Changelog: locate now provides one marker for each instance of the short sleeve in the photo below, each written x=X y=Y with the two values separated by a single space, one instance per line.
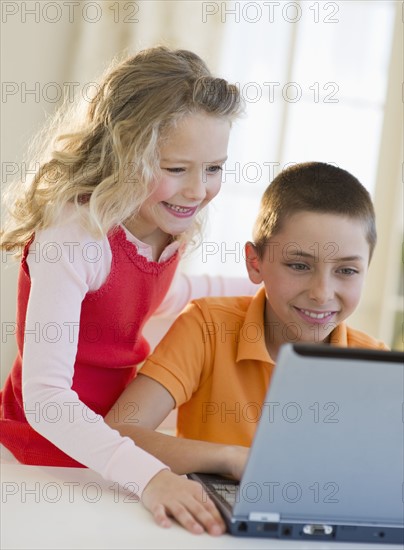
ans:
x=183 y=359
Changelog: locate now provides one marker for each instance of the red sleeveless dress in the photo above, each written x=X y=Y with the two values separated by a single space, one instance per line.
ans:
x=110 y=345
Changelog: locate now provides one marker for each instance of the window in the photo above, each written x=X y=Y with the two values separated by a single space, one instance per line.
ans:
x=314 y=78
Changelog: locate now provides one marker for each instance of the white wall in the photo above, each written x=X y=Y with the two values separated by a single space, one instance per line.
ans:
x=49 y=47
x=31 y=54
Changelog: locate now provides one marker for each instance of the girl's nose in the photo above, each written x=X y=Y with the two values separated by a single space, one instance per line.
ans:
x=195 y=187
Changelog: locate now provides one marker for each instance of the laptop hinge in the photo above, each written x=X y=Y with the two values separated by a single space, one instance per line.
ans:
x=264 y=516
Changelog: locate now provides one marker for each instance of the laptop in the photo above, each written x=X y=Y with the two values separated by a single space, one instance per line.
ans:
x=327 y=460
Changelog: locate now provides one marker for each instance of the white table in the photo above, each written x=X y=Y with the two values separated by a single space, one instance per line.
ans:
x=69 y=508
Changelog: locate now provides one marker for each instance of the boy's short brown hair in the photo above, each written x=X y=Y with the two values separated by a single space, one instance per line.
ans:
x=313 y=187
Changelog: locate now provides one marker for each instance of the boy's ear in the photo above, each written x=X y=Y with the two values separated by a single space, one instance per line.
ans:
x=253 y=263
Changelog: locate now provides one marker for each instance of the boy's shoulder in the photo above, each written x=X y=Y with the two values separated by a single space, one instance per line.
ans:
x=223 y=306
x=358 y=339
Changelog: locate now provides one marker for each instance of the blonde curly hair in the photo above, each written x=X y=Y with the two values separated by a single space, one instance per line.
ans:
x=104 y=155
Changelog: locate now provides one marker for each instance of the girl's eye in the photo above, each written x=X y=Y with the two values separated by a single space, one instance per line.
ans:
x=214 y=169
x=175 y=170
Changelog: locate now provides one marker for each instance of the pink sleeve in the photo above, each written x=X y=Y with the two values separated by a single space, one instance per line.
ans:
x=185 y=288
x=52 y=407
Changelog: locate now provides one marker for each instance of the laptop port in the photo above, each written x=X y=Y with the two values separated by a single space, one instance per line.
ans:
x=317 y=529
x=271 y=527
x=242 y=527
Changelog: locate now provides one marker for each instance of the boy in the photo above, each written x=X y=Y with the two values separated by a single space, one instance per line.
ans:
x=313 y=241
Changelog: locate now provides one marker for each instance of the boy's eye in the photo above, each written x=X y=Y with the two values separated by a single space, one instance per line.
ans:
x=298 y=267
x=348 y=271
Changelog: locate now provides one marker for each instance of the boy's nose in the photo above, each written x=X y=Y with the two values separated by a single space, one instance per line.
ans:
x=321 y=290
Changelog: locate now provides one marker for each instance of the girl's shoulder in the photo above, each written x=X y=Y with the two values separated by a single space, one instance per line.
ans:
x=69 y=227
x=68 y=249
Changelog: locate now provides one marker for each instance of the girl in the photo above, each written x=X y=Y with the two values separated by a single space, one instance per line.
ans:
x=102 y=226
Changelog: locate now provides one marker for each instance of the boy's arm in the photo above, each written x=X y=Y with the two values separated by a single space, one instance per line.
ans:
x=168 y=495
x=142 y=407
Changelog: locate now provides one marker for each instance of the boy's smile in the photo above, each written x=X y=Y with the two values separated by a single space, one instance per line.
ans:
x=313 y=271
x=315 y=316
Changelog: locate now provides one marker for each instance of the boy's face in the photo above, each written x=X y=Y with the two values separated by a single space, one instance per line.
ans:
x=313 y=271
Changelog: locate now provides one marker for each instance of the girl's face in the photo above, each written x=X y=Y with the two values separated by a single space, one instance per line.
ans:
x=191 y=160
x=313 y=271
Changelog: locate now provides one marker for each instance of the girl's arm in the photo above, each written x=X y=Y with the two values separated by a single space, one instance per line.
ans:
x=59 y=281
x=185 y=288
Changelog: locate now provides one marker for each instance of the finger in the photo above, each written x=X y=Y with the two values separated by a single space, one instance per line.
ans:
x=160 y=516
x=207 y=515
x=192 y=511
x=211 y=508
x=180 y=513
x=202 y=497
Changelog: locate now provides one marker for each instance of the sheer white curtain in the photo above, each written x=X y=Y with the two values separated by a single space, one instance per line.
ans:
x=314 y=77
x=321 y=82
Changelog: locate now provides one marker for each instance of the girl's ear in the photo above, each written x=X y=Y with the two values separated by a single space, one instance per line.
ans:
x=253 y=263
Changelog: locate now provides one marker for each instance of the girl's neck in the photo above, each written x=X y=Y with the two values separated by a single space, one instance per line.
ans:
x=157 y=240
x=157 y=249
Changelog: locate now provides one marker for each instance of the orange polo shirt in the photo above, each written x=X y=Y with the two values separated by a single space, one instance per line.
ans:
x=215 y=364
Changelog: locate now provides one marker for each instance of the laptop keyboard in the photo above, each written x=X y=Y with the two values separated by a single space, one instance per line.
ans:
x=228 y=491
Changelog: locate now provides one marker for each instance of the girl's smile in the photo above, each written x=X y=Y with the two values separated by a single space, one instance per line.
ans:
x=180 y=211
